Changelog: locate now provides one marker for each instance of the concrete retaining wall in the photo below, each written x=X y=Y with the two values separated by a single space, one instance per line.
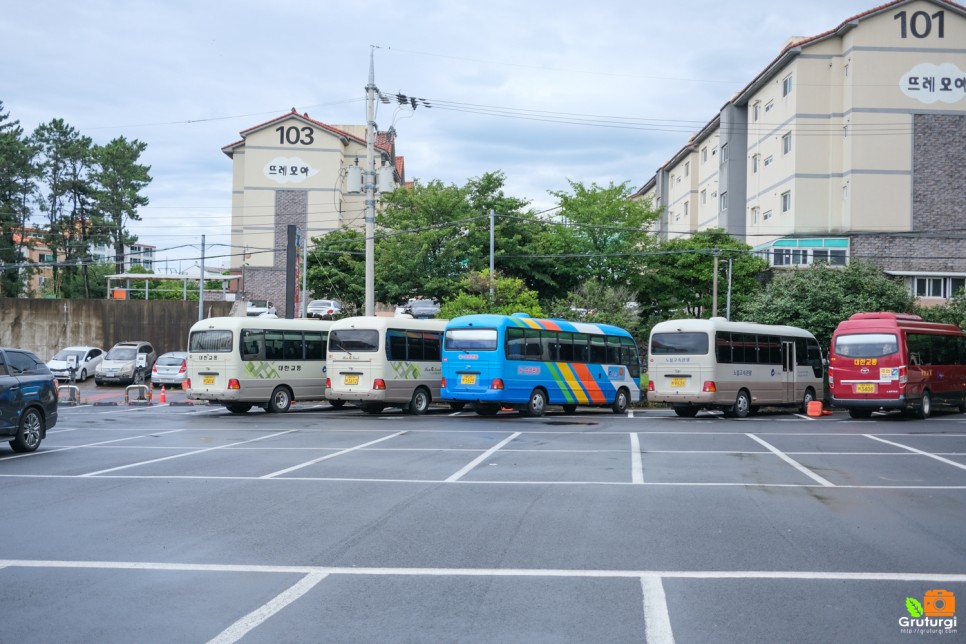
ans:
x=45 y=326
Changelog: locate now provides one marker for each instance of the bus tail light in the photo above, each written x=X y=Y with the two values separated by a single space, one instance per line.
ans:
x=497 y=383
x=187 y=383
x=379 y=384
x=442 y=382
x=328 y=383
x=709 y=387
x=650 y=385
x=903 y=375
x=233 y=384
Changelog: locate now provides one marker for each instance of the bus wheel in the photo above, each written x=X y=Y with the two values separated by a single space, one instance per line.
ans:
x=238 y=408
x=280 y=401
x=742 y=406
x=925 y=406
x=860 y=413
x=962 y=405
x=487 y=409
x=620 y=402
x=809 y=397
x=686 y=411
x=569 y=409
x=536 y=405
x=420 y=402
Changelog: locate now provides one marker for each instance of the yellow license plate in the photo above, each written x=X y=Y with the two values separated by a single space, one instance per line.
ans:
x=468 y=379
x=352 y=380
x=678 y=382
x=865 y=388
x=208 y=380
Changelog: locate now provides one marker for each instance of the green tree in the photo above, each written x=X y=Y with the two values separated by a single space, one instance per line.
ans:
x=336 y=268
x=119 y=180
x=600 y=236
x=817 y=298
x=17 y=188
x=594 y=302
x=952 y=312
x=510 y=295
x=680 y=276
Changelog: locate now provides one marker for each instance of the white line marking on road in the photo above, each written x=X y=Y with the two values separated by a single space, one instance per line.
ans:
x=255 y=618
x=173 y=456
x=917 y=451
x=482 y=457
x=637 y=467
x=494 y=572
x=328 y=456
x=788 y=459
x=657 y=621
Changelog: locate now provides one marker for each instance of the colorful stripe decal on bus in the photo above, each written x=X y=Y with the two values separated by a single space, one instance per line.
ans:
x=568 y=383
x=587 y=379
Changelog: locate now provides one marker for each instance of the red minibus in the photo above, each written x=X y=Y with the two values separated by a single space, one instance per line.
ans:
x=897 y=361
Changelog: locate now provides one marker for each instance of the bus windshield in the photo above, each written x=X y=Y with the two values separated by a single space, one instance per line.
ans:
x=471 y=339
x=866 y=345
x=684 y=343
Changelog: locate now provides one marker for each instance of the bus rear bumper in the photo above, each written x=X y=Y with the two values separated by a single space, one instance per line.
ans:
x=700 y=399
x=866 y=403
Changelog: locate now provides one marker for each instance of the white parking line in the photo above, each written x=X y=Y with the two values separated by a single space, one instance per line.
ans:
x=328 y=456
x=657 y=621
x=788 y=459
x=253 y=619
x=482 y=457
x=917 y=451
x=637 y=467
x=173 y=456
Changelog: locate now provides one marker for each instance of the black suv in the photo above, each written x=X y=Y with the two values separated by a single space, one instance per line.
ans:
x=28 y=399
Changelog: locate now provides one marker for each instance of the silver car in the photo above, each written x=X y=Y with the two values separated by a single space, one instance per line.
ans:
x=86 y=360
x=323 y=309
x=170 y=369
x=120 y=364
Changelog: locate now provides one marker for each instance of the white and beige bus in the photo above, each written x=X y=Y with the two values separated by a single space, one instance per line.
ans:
x=736 y=367
x=245 y=362
x=379 y=362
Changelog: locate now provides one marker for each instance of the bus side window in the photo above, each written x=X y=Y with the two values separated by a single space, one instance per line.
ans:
x=514 y=344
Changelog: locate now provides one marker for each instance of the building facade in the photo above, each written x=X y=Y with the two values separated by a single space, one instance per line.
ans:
x=294 y=170
x=850 y=144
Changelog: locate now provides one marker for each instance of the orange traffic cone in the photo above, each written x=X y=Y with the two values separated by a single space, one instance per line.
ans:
x=163 y=399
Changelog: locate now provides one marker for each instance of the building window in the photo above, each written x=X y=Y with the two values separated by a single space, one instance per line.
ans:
x=845 y=131
x=687 y=168
x=686 y=208
x=754 y=163
x=781 y=257
x=704 y=197
x=724 y=201
x=756 y=111
x=787 y=143
x=833 y=257
x=768 y=160
x=768 y=215
x=944 y=287
x=724 y=152
x=786 y=201
x=704 y=153
x=672 y=178
x=714 y=150
x=787 y=85
x=799 y=257
x=754 y=214
x=769 y=105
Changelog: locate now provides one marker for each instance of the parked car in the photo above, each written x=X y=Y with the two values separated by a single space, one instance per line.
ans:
x=87 y=359
x=119 y=365
x=28 y=399
x=421 y=309
x=259 y=308
x=170 y=369
x=323 y=309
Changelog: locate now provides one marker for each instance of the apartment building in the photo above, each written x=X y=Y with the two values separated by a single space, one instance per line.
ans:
x=849 y=144
x=295 y=170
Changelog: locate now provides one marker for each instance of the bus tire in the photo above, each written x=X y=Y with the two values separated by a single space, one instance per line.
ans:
x=536 y=404
x=419 y=405
x=685 y=411
x=238 y=407
x=281 y=400
x=569 y=409
x=809 y=397
x=621 y=401
x=487 y=409
x=860 y=413
x=742 y=406
x=924 y=410
x=962 y=405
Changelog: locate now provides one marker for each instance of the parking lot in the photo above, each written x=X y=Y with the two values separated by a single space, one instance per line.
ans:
x=180 y=522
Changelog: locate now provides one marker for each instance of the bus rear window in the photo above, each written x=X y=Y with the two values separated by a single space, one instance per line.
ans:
x=677 y=344
x=866 y=345
x=353 y=340
x=210 y=342
x=471 y=339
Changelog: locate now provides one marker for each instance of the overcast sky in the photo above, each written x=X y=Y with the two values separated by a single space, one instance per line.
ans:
x=546 y=92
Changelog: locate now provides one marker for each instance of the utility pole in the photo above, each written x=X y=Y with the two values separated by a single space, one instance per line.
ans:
x=714 y=287
x=370 y=186
x=491 y=256
x=201 y=283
